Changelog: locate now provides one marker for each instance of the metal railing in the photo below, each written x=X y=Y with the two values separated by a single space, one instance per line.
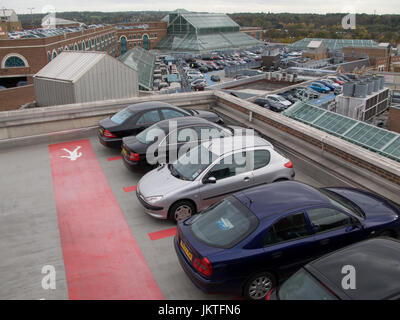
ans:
x=232 y=71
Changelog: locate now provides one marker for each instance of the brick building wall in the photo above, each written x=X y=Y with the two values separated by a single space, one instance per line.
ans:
x=394 y=119
x=135 y=35
x=13 y=98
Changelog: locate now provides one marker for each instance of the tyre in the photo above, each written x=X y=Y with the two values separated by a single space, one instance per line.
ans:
x=181 y=210
x=258 y=286
x=280 y=180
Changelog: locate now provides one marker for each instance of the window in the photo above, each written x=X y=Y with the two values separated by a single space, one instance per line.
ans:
x=289 y=228
x=229 y=166
x=14 y=62
x=121 y=116
x=169 y=113
x=210 y=132
x=261 y=158
x=303 y=286
x=149 y=117
x=224 y=224
x=325 y=219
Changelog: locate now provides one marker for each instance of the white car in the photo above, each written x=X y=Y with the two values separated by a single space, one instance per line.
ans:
x=278 y=99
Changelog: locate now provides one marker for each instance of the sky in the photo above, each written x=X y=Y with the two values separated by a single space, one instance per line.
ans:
x=220 y=6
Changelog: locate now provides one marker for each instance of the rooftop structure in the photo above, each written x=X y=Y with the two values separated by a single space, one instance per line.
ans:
x=378 y=140
x=77 y=77
x=143 y=61
x=198 y=32
x=332 y=44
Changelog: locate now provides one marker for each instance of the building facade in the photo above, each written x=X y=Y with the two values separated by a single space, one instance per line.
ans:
x=144 y=35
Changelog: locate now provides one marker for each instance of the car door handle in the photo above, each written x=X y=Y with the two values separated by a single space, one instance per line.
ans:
x=325 y=242
x=247 y=179
x=277 y=255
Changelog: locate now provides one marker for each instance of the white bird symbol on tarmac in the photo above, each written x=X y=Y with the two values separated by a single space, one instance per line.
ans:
x=73 y=155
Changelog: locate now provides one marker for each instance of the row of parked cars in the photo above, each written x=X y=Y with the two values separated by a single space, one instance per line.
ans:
x=281 y=101
x=243 y=225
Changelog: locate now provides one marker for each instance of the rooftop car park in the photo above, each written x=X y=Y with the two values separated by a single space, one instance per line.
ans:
x=89 y=224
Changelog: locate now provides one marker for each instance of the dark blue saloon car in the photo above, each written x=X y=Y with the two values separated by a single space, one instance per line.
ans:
x=249 y=242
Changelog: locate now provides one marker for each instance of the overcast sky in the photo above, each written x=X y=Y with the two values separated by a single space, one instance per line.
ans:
x=224 y=6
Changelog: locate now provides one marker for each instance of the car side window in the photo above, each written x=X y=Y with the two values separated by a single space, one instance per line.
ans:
x=229 y=166
x=289 y=228
x=260 y=158
x=210 y=132
x=325 y=219
x=169 y=114
x=149 y=117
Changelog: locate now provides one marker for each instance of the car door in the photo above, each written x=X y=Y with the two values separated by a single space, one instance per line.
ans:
x=145 y=120
x=288 y=243
x=333 y=229
x=263 y=169
x=231 y=174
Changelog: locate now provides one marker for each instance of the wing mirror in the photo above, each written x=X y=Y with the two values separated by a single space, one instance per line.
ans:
x=210 y=180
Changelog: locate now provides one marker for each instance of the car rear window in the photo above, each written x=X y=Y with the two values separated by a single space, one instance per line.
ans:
x=224 y=224
x=121 y=116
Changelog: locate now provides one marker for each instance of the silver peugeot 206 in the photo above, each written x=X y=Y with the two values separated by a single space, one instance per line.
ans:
x=210 y=172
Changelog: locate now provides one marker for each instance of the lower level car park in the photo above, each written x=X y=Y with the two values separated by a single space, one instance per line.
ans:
x=91 y=228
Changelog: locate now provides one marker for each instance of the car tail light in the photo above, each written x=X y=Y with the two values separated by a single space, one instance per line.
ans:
x=269 y=294
x=134 y=157
x=289 y=164
x=203 y=266
x=108 y=134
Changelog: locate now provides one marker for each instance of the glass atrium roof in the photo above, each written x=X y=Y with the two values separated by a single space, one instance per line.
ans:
x=384 y=142
x=144 y=62
x=199 y=32
x=333 y=44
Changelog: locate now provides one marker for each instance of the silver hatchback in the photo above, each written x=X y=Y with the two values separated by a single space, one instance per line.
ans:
x=209 y=173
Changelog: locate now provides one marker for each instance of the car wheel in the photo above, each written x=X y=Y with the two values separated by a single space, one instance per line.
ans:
x=181 y=210
x=259 y=285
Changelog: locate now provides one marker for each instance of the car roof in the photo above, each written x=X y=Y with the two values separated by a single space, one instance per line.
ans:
x=221 y=146
x=149 y=105
x=377 y=267
x=268 y=200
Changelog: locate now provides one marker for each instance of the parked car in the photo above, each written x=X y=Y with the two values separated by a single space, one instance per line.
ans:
x=305 y=94
x=331 y=85
x=319 y=87
x=336 y=79
x=288 y=96
x=252 y=240
x=210 y=172
x=375 y=261
x=277 y=99
x=215 y=78
x=262 y=102
x=163 y=139
x=135 y=118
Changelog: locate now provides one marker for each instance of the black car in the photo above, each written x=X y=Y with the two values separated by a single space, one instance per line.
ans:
x=164 y=138
x=215 y=78
x=135 y=118
x=287 y=95
x=276 y=107
x=369 y=270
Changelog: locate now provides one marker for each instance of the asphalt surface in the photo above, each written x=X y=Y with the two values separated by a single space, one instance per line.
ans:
x=34 y=233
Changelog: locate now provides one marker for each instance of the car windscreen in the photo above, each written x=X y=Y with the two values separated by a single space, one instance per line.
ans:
x=343 y=203
x=190 y=165
x=303 y=286
x=121 y=116
x=224 y=224
x=147 y=136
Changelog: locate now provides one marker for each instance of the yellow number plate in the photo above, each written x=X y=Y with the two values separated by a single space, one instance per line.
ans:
x=186 y=250
x=124 y=152
x=101 y=131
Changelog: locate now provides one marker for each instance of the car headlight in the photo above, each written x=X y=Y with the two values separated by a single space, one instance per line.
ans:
x=153 y=199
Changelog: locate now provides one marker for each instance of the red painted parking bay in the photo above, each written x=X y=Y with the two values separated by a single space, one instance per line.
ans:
x=101 y=257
